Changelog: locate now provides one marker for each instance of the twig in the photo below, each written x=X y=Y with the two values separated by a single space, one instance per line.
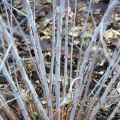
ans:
x=58 y=57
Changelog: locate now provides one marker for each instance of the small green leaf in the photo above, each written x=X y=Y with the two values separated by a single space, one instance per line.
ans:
x=36 y=116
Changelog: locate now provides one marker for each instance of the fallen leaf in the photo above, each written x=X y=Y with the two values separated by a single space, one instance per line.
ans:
x=95 y=1
x=77 y=31
x=47 y=21
x=111 y=34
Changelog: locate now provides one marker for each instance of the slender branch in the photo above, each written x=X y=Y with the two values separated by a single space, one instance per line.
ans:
x=22 y=70
x=38 y=52
x=58 y=57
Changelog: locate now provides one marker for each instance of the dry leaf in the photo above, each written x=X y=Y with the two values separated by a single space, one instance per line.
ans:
x=77 y=31
x=111 y=34
x=95 y=1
